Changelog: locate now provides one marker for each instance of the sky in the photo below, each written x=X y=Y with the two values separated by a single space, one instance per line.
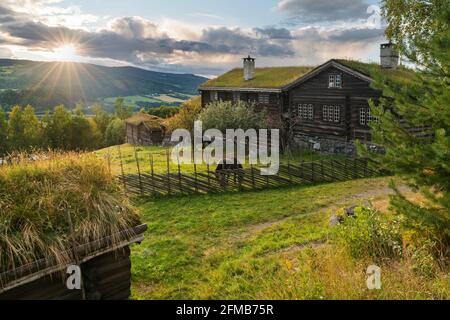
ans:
x=205 y=37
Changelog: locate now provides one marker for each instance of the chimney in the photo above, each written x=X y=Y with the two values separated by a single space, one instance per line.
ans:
x=389 y=56
x=249 y=68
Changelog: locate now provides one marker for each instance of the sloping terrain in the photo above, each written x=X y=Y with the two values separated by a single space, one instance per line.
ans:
x=46 y=84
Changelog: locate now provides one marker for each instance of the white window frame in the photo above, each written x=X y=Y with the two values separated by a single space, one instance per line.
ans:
x=305 y=111
x=366 y=117
x=334 y=81
x=264 y=98
x=214 y=96
x=332 y=113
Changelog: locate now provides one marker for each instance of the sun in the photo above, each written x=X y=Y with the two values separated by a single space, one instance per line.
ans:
x=67 y=52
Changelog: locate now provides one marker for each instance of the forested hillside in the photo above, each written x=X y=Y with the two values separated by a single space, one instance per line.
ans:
x=46 y=84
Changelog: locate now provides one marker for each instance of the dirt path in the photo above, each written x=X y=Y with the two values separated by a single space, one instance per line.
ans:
x=362 y=197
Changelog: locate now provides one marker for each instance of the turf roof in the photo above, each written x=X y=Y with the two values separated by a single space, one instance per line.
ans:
x=279 y=77
x=150 y=121
x=276 y=78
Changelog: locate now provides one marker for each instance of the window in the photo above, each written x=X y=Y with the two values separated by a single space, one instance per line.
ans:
x=332 y=113
x=263 y=98
x=236 y=96
x=335 y=81
x=306 y=111
x=214 y=96
x=365 y=117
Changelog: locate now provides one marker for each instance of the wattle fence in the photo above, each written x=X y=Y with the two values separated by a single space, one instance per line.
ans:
x=152 y=184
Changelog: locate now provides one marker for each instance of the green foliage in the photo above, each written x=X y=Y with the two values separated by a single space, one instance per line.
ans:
x=185 y=119
x=59 y=130
x=3 y=132
x=101 y=118
x=414 y=126
x=121 y=111
x=115 y=133
x=370 y=234
x=164 y=112
x=223 y=115
x=24 y=129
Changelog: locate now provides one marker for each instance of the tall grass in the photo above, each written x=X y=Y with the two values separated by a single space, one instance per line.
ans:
x=48 y=206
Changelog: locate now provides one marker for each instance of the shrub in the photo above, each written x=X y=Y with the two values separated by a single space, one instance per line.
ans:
x=115 y=132
x=225 y=115
x=187 y=116
x=370 y=234
x=164 y=112
x=39 y=200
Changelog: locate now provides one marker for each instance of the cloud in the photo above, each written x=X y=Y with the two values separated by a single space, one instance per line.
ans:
x=132 y=38
x=181 y=47
x=274 y=33
x=237 y=41
x=307 y=11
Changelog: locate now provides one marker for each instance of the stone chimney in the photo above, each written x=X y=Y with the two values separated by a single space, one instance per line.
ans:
x=389 y=56
x=249 y=68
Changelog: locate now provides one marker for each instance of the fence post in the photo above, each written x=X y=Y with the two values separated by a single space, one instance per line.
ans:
x=195 y=177
x=209 y=178
x=322 y=171
x=253 y=176
x=179 y=176
x=139 y=171
x=345 y=169
x=302 y=170
x=289 y=170
x=169 y=189
x=153 y=174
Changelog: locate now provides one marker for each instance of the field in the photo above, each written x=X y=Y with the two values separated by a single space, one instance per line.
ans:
x=144 y=154
x=154 y=100
x=263 y=245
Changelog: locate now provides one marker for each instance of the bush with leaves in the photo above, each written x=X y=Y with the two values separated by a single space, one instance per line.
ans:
x=185 y=119
x=223 y=115
x=370 y=234
x=115 y=133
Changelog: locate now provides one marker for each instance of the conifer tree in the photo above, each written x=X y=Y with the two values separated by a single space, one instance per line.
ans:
x=414 y=126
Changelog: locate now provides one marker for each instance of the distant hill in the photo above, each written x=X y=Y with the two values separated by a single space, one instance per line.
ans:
x=46 y=84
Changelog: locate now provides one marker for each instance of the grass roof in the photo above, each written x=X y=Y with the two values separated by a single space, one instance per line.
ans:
x=40 y=200
x=401 y=75
x=152 y=122
x=276 y=78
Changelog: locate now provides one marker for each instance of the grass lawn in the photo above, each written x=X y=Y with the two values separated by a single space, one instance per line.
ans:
x=160 y=159
x=255 y=245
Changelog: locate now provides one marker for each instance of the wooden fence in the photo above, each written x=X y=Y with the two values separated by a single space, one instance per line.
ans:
x=151 y=184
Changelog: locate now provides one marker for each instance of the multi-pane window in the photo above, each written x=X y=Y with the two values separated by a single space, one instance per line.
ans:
x=335 y=81
x=365 y=117
x=264 y=98
x=331 y=113
x=306 y=111
x=214 y=95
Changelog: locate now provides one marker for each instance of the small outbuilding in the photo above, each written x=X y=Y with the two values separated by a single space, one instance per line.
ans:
x=144 y=129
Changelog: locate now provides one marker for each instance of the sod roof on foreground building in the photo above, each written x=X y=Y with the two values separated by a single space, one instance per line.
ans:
x=273 y=78
x=280 y=77
x=401 y=75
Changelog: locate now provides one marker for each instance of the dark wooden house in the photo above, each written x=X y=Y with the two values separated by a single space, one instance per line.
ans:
x=144 y=129
x=328 y=105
